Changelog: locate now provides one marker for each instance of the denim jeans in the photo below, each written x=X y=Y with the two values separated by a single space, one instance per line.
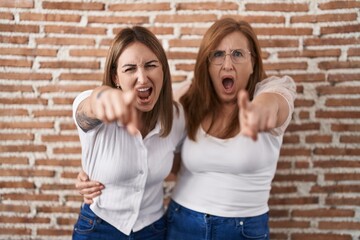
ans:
x=186 y=224
x=89 y=226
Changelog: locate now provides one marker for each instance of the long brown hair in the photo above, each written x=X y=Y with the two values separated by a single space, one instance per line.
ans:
x=201 y=98
x=163 y=109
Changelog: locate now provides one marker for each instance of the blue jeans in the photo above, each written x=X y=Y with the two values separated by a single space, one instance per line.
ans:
x=186 y=224
x=89 y=226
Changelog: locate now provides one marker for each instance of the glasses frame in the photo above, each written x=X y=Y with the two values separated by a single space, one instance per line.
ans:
x=231 y=56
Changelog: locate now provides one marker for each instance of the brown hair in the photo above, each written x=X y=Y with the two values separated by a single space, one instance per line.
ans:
x=201 y=98
x=163 y=109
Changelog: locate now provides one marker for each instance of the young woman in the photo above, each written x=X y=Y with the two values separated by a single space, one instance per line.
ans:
x=129 y=129
x=225 y=177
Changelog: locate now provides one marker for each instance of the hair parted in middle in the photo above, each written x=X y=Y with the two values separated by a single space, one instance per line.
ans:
x=163 y=109
x=201 y=98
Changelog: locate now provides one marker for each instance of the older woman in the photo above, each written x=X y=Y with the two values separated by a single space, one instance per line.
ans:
x=225 y=177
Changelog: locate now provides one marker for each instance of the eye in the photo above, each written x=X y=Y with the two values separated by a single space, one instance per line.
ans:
x=129 y=69
x=218 y=54
x=150 y=65
x=238 y=53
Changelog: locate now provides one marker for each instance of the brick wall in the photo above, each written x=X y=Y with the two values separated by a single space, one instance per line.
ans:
x=51 y=50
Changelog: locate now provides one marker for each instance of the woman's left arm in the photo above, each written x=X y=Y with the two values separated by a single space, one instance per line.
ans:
x=271 y=108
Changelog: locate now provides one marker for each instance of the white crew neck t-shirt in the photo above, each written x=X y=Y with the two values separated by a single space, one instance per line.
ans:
x=232 y=177
x=131 y=168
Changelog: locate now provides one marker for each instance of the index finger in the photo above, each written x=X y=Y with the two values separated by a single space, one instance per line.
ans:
x=243 y=99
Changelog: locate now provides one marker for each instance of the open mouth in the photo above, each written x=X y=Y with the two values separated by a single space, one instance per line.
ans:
x=228 y=83
x=144 y=93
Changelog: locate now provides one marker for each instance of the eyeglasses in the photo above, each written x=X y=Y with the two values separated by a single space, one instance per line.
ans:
x=217 y=57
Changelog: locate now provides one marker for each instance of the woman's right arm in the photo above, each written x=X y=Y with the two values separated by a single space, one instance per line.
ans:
x=106 y=104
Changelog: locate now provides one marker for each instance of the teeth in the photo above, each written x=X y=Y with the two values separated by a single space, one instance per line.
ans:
x=143 y=89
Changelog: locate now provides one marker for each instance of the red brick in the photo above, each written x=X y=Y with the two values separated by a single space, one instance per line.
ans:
x=63 y=101
x=338 y=17
x=18 y=184
x=326 y=90
x=337 y=151
x=295 y=177
x=271 y=31
x=207 y=6
x=289 y=224
x=17 y=136
x=337 y=65
x=336 y=102
x=181 y=55
x=22 y=148
x=15 y=231
x=342 y=177
x=19 y=28
x=13 y=112
x=26 y=125
x=14 y=160
x=65 y=41
x=66 y=221
x=343 y=201
x=28 y=52
x=14 y=208
x=25 y=76
x=31 y=197
x=256 y=19
x=14 y=39
x=291 y=139
x=182 y=18
x=311 y=53
x=67 y=150
x=320 y=236
x=308 y=77
x=184 y=43
x=345 y=127
x=49 y=17
x=140 y=7
x=75 y=30
x=58 y=163
x=52 y=113
x=293 y=201
x=6 y=15
x=63 y=5
x=349 y=139
x=282 y=190
x=323 y=213
x=27 y=101
x=343 y=77
x=304 y=103
x=53 y=232
x=71 y=64
x=27 y=173
x=343 y=29
x=57 y=187
x=17 y=4
x=303 y=127
x=58 y=138
x=353 y=52
x=346 y=225
x=330 y=41
x=332 y=189
x=338 y=163
x=318 y=138
x=295 y=152
x=337 y=114
x=339 y=5
x=88 y=52
x=117 y=20
x=286 y=66
x=274 y=7
x=25 y=220
x=81 y=76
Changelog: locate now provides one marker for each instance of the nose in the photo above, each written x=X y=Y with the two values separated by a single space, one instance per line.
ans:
x=228 y=64
x=141 y=76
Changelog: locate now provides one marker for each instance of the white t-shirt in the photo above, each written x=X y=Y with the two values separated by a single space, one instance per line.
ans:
x=232 y=177
x=131 y=168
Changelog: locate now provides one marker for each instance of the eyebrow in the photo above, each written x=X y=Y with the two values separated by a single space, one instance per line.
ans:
x=133 y=64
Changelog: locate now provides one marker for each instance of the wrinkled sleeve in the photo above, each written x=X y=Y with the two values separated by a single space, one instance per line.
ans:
x=286 y=87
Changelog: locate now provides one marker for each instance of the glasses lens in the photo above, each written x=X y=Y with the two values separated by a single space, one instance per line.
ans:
x=217 y=57
x=239 y=55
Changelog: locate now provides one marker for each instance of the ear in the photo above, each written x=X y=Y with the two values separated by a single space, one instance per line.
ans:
x=115 y=80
